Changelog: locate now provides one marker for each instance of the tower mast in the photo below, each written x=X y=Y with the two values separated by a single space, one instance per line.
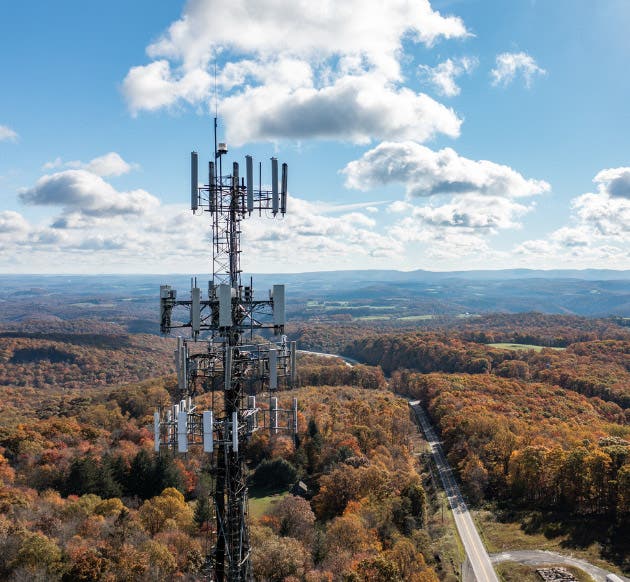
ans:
x=227 y=366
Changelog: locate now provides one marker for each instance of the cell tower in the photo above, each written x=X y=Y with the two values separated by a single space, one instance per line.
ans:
x=236 y=373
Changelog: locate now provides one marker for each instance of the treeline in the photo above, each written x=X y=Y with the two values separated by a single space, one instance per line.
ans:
x=80 y=361
x=597 y=368
x=534 y=444
x=538 y=328
x=525 y=328
x=338 y=373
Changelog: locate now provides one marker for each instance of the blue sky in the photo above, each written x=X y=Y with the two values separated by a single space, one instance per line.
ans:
x=455 y=134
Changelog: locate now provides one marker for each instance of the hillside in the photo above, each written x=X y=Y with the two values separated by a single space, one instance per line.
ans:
x=538 y=433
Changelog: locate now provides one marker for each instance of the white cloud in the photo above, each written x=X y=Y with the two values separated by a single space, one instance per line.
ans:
x=425 y=172
x=7 y=134
x=154 y=86
x=443 y=76
x=313 y=31
x=463 y=201
x=599 y=231
x=615 y=182
x=87 y=193
x=309 y=235
x=298 y=69
x=110 y=164
x=12 y=222
x=353 y=108
x=471 y=213
x=511 y=65
x=171 y=238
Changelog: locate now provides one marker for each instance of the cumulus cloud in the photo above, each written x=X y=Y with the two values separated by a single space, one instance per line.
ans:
x=85 y=192
x=309 y=234
x=7 y=134
x=110 y=164
x=458 y=228
x=367 y=28
x=426 y=172
x=468 y=213
x=443 y=76
x=295 y=69
x=615 y=182
x=599 y=229
x=12 y=222
x=509 y=66
x=353 y=108
x=170 y=237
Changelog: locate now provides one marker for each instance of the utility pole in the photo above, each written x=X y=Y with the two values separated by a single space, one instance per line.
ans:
x=234 y=372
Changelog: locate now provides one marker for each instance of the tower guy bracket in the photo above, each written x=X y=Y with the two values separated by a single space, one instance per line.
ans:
x=244 y=377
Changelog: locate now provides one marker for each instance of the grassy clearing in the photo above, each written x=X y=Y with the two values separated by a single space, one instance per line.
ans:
x=416 y=317
x=261 y=501
x=372 y=317
x=517 y=347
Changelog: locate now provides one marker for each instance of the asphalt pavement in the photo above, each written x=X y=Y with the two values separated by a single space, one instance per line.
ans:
x=475 y=550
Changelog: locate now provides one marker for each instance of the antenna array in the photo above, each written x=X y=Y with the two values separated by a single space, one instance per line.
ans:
x=241 y=376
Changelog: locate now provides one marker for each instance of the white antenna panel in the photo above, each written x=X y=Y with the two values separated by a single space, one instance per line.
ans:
x=194 y=179
x=274 y=186
x=235 y=431
x=195 y=310
x=273 y=369
x=182 y=432
x=208 y=427
x=249 y=170
x=283 y=189
x=225 y=305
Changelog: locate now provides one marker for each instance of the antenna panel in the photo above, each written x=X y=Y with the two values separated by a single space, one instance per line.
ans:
x=274 y=186
x=195 y=310
x=235 y=431
x=208 y=436
x=194 y=181
x=225 y=305
x=249 y=170
x=182 y=432
x=283 y=189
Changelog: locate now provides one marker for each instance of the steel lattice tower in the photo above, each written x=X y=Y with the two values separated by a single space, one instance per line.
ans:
x=238 y=372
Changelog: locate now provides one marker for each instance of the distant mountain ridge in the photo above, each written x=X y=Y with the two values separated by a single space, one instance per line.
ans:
x=370 y=293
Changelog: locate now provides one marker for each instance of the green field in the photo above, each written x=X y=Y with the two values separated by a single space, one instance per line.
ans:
x=416 y=317
x=516 y=347
x=258 y=506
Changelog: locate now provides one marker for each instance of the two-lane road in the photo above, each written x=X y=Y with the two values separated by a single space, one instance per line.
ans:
x=475 y=550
